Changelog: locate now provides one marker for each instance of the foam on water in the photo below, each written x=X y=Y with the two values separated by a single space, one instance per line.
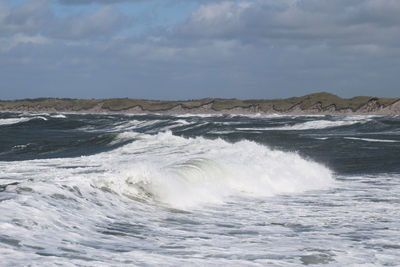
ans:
x=72 y=195
x=163 y=199
x=134 y=124
x=11 y=121
x=59 y=116
x=199 y=115
x=153 y=126
x=310 y=125
x=372 y=140
x=187 y=172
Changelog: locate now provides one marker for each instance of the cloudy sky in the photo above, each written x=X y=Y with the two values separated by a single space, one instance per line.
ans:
x=184 y=49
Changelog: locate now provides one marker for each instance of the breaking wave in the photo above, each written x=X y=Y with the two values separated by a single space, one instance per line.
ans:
x=186 y=172
x=119 y=190
x=11 y=121
x=372 y=140
x=309 y=125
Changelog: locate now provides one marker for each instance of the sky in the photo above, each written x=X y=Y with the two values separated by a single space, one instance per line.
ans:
x=189 y=49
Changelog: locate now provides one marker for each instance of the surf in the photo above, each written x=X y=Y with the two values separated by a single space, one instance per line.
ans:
x=187 y=172
x=190 y=172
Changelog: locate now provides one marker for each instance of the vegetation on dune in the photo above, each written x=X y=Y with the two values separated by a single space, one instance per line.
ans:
x=121 y=104
x=325 y=100
x=319 y=101
x=48 y=104
x=221 y=104
x=386 y=101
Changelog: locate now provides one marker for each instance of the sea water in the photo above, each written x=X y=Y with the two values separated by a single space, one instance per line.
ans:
x=180 y=190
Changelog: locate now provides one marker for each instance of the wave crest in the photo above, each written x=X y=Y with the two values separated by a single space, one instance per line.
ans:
x=187 y=172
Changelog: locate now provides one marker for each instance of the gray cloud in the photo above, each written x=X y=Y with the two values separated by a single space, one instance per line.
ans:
x=269 y=22
x=244 y=49
x=35 y=18
x=80 y=2
x=30 y=17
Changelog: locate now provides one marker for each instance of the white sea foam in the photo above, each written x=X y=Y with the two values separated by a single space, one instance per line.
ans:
x=40 y=117
x=275 y=115
x=130 y=125
x=309 y=125
x=245 y=205
x=135 y=124
x=372 y=140
x=182 y=122
x=173 y=125
x=59 y=116
x=222 y=132
x=198 y=115
x=11 y=121
x=36 y=114
x=185 y=173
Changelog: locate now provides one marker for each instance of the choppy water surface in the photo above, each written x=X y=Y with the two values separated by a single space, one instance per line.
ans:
x=199 y=189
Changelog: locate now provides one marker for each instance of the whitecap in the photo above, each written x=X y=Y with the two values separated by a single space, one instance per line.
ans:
x=372 y=140
x=11 y=121
x=59 y=116
x=184 y=172
x=309 y=125
x=181 y=172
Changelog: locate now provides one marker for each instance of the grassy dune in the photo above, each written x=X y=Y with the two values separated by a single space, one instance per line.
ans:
x=320 y=101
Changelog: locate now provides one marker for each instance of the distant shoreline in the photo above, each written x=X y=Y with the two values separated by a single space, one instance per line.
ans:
x=318 y=103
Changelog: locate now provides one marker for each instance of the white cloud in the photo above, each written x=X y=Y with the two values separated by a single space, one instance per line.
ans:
x=302 y=23
x=8 y=43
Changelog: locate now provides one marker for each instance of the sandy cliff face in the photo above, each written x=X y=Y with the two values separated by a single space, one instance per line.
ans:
x=321 y=103
x=391 y=109
x=371 y=107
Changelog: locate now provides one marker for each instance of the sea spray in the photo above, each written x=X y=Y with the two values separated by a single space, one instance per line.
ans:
x=187 y=172
x=183 y=172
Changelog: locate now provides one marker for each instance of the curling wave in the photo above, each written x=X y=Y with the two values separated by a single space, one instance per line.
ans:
x=180 y=172
x=184 y=172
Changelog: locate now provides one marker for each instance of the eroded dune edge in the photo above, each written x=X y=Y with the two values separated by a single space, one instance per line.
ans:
x=318 y=103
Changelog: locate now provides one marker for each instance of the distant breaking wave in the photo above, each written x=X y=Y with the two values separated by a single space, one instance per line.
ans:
x=372 y=140
x=11 y=121
x=309 y=125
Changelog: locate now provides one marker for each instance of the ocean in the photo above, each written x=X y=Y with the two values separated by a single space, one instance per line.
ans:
x=199 y=190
